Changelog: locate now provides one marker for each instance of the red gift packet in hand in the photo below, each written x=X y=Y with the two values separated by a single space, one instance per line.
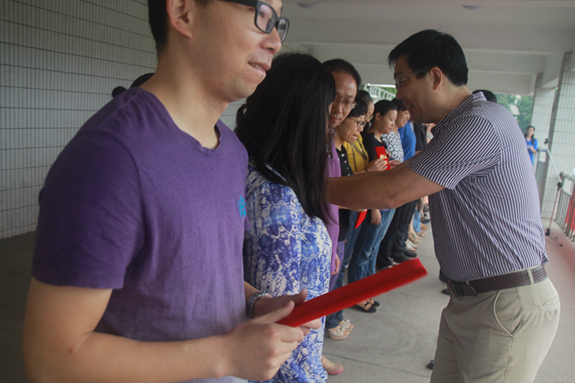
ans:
x=382 y=153
x=347 y=296
x=360 y=218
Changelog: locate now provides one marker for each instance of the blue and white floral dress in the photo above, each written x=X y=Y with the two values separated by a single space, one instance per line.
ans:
x=285 y=250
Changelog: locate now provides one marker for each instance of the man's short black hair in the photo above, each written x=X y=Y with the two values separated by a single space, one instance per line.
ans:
x=340 y=65
x=158 y=19
x=430 y=48
x=489 y=96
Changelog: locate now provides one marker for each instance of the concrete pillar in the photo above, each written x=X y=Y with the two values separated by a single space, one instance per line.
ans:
x=541 y=120
x=561 y=136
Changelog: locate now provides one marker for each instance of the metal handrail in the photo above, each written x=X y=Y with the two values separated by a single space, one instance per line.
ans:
x=567 y=176
x=565 y=217
x=378 y=92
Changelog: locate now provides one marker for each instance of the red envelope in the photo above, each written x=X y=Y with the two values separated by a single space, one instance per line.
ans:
x=381 y=153
x=347 y=296
x=360 y=218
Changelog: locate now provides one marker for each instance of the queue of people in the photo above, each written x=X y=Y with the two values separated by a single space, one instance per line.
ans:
x=168 y=247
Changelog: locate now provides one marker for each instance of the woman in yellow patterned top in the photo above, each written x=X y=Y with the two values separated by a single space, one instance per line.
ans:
x=357 y=155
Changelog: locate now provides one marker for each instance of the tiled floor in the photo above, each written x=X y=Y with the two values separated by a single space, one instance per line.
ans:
x=392 y=345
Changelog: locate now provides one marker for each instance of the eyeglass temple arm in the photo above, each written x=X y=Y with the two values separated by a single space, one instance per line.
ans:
x=250 y=3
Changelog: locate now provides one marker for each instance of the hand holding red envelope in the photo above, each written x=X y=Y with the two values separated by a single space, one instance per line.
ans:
x=381 y=152
x=347 y=296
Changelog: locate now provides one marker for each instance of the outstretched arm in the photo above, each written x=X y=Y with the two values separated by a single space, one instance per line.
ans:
x=60 y=344
x=380 y=190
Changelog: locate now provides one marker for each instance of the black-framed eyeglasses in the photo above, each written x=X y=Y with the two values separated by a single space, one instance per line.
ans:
x=398 y=81
x=266 y=17
x=348 y=105
x=358 y=123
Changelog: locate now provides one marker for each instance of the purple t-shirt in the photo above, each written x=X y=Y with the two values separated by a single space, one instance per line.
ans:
x=333 y=169
x=136 y=205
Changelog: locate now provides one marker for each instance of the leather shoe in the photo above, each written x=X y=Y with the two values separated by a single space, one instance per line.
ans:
x=410 y=254
x=374 y=303
x=384 y=265
x=400 y=258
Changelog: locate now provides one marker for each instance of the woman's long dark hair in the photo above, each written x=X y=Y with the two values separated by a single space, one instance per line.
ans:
x=533 y=136
x=384 y=106
x=360 y=108
x=283 y=124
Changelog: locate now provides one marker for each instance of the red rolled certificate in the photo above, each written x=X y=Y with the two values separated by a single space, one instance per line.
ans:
x=360 y=218
x=349 y=295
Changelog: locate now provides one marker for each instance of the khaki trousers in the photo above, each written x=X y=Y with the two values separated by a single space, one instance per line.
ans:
x=499 y=336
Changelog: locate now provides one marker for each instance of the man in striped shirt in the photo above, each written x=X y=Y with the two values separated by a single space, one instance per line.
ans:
x=489 y=240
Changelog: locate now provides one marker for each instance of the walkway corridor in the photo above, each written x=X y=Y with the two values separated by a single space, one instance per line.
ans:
x=394 y=344
x=391 y=346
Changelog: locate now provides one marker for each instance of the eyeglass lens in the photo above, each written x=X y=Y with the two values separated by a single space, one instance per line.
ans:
x=358 y=123
x=346 y=104
x=267 y=19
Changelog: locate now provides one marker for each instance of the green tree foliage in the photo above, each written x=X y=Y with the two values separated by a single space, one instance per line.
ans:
x=519 y=106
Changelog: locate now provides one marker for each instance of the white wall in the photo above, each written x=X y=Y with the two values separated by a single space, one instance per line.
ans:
x=59 y=61
x=562 y=143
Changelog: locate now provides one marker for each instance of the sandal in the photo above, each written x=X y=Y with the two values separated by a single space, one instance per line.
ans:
x=366 y=307
x=373 y=302
x=346 y=324
x=413 y=238
x=422 y=234
x=338 y=333
x=410 y=247
x=330 y=367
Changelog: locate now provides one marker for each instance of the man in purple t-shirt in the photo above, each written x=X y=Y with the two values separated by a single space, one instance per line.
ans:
x=137 y=273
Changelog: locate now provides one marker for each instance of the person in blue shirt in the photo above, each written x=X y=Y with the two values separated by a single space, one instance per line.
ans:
x=392 y=247
x=406 y=133
x=531 y=141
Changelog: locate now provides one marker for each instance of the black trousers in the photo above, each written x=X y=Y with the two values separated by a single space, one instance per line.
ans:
x=393 y=243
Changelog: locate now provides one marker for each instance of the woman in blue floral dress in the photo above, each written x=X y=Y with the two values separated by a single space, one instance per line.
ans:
x=287 y=249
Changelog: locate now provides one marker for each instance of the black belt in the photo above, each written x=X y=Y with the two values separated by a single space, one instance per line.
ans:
x=498 y=282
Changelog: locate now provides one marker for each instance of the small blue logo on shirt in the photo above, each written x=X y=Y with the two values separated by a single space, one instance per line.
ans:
x=242 y=207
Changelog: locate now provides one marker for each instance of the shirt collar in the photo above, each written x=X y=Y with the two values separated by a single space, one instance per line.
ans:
x=459 y=110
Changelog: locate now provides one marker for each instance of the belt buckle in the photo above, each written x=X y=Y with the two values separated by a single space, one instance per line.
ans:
x=461 y=289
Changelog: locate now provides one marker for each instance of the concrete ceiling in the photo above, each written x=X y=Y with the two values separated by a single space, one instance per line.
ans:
x=506 y=42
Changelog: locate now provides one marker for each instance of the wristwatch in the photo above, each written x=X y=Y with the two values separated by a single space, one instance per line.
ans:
x=252 y=301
